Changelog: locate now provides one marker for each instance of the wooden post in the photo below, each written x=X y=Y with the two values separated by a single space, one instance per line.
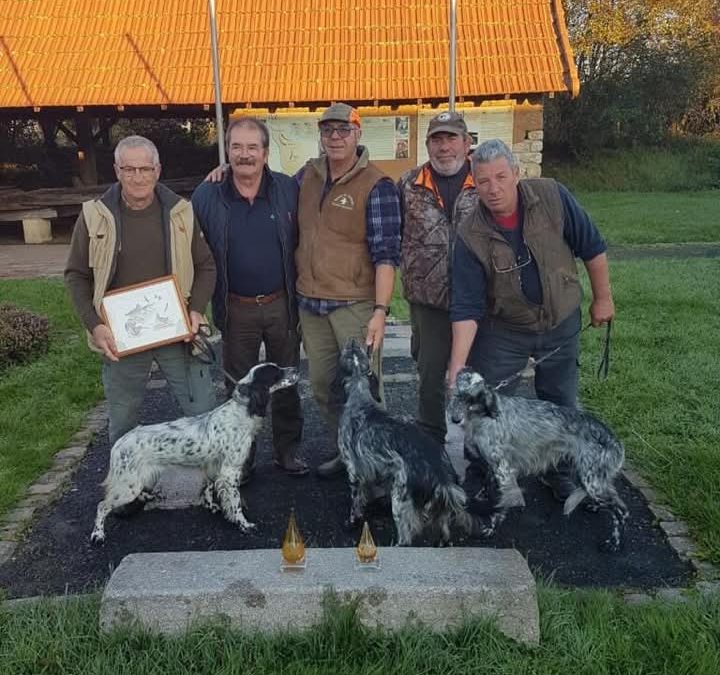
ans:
x=86 y=150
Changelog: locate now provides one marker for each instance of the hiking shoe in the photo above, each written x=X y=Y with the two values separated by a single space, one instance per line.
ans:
x=292 y=466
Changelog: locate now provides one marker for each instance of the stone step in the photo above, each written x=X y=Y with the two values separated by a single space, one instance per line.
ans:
x=438 y=588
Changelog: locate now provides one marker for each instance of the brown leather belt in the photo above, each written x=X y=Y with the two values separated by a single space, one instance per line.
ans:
x=256 y=299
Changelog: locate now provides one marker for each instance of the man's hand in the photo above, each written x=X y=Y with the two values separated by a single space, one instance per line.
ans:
x=217 y=174
x=376 y=330
x=196 y=319
x=452 y=373
x=602 y=311
x=103 y=338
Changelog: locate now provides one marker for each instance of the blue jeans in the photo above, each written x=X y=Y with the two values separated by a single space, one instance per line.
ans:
x=499 y=352
x=125 y=380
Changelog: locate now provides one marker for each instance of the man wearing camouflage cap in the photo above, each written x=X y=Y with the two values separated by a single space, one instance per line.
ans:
x=348 y=249
x=435 y=197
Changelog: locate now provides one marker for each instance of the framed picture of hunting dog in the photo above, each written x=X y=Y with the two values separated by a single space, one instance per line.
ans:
x=146 y=315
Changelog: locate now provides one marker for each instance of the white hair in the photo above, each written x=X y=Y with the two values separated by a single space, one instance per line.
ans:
x=137 y=142
x=492 y=150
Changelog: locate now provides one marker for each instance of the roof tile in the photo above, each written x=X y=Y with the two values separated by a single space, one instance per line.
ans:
x=135 y=52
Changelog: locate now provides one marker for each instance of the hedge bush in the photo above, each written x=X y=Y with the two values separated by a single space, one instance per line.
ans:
x=24 y=335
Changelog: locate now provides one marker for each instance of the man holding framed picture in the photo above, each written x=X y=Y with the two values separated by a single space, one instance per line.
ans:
x=138 y=231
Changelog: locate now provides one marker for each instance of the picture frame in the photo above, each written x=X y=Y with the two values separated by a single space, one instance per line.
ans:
x=146 y=315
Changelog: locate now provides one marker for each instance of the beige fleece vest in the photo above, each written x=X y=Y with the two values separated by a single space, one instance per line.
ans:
x=102 y=233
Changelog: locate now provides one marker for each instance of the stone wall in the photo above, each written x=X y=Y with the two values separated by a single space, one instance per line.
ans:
x=528 y=139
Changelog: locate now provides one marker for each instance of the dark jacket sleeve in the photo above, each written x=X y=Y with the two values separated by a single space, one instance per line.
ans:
x=79 y=277
x=204 y=265
x=469 y=285
x=579 y=231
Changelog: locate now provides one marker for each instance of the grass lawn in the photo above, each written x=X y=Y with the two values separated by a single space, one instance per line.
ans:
x=43 y=403
x=661 y=397
x=653 y=218
x=584 y=633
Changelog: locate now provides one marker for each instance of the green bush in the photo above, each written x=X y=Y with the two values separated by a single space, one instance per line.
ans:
x=23 y=335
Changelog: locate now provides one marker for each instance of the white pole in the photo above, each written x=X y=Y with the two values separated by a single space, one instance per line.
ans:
x=216 y=80
x=453 y=52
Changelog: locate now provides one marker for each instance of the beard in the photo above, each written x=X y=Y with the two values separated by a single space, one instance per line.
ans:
x=448 y=169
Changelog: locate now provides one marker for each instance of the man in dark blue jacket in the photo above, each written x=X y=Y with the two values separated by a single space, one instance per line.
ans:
x=250 y=223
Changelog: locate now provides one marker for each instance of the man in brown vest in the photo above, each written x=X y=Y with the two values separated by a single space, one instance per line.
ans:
x=348 y=249
x=515 y=287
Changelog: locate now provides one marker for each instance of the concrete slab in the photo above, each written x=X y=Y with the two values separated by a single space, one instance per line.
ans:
x=438 y=588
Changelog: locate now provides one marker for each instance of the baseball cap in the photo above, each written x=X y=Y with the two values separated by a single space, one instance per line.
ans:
x=449 y=122
x=341 y=112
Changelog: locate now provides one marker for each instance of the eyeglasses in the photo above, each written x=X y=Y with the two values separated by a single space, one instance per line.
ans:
x=326 y=131
x=143 y=171
x=519 y=264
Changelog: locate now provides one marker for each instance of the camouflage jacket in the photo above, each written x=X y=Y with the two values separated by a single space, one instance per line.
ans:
x=428 y=236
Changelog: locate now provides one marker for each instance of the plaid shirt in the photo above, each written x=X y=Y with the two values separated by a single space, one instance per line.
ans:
x=383 y=219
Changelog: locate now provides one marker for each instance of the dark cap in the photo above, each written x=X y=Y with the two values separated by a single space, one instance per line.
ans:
x=341 y=112
x=449 y=122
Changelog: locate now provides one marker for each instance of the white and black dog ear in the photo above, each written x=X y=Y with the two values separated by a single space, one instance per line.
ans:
x=258 y=399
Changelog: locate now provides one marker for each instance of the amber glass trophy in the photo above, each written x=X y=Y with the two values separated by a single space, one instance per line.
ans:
x=367 y=552
x=293 y=547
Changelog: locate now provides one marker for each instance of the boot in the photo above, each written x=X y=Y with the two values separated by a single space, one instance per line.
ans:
x=286 y=461
x=330 y=468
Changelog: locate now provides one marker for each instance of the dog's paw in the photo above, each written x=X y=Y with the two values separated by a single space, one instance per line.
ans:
x=247 y=527
x=97 y=538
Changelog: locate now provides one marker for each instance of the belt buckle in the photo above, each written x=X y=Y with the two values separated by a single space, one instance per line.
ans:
x=259 y=298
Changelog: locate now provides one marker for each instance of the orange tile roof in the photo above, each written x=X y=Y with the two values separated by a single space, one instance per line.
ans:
x=151 y=52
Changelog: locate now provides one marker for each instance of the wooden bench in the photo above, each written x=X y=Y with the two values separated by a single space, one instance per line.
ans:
x=35 y=222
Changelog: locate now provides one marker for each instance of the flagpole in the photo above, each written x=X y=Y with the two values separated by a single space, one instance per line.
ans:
x=453 y=52
x=216 y=79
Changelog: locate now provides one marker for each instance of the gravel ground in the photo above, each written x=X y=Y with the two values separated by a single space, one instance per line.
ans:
x=56 y=556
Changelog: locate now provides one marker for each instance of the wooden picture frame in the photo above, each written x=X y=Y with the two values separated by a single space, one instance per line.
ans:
x=146 y=315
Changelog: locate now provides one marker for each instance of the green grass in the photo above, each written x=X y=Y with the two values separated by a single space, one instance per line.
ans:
x=584 y=633
x=652 y=218
x=43 y=403
x=661 y=397
x=683 y=164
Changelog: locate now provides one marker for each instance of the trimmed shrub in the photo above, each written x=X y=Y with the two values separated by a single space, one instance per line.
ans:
x=24 y=336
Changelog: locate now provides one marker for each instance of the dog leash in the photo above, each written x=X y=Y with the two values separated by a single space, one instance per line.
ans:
x=202 y=349
x=602 y=371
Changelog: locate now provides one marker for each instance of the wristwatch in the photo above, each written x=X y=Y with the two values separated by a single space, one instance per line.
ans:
x=384 y=308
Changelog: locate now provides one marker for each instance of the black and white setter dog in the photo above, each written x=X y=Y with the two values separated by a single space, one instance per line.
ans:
x=382 y=452
x=217 y=441
x=510 y=437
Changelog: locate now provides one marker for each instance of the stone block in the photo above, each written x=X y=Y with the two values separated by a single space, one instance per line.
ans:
x=37 y=230
x=530 y=170
x=536 y=146
x=674 y=528
x=535 y=135
x=7 y=548
x=438 y=588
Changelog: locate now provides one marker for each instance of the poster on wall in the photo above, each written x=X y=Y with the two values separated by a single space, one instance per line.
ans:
x=483 y=124
x=386 y=138
x=293 y=140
